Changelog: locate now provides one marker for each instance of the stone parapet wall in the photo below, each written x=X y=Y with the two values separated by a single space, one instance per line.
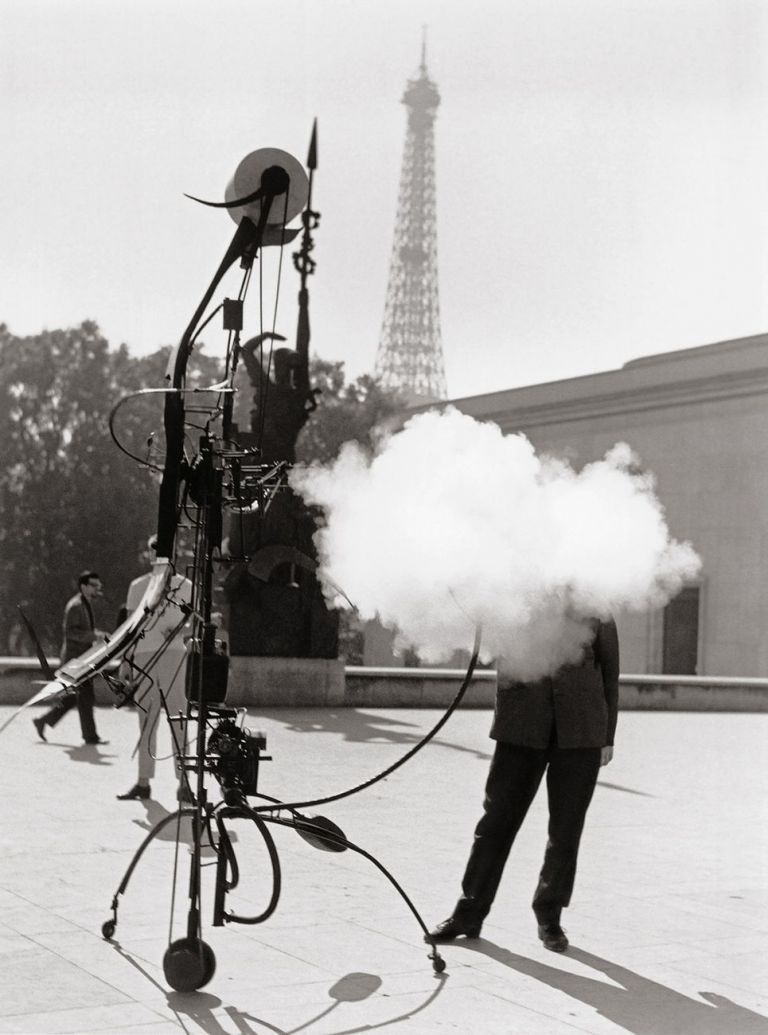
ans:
x=286 y=682
x=415 y=688
x=319 y=683
x=418 y=688
x=692 y=694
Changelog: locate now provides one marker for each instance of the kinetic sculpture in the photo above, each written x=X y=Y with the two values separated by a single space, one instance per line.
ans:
x=201 y=483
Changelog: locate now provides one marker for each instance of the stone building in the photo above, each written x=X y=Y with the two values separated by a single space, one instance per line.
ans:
x=698 y=419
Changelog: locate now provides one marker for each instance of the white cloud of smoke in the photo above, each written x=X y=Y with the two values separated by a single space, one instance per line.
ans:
x=453 y=523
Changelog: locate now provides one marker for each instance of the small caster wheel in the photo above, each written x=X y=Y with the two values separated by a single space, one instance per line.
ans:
x=438 y=963
x=108 y=929
x=188 y=964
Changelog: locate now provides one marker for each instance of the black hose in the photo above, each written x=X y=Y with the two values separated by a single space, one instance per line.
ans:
x=401 y=761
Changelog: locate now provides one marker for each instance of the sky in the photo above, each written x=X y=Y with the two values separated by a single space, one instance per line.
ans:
x=601 y=169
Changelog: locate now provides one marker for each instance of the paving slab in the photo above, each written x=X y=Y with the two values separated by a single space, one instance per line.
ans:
x=668 y=925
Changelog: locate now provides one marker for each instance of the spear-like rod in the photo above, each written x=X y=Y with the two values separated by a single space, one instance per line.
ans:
x=305 y=264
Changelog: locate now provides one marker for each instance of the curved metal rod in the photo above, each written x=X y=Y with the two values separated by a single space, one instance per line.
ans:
x=219 y=389
x=408 y=755
x=329 y=835
x=179 y=814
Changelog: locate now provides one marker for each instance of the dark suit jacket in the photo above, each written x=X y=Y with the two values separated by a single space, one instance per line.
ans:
x=77 y=628
x=581 y=700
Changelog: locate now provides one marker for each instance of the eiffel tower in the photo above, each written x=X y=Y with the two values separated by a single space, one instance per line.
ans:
x=410 y=354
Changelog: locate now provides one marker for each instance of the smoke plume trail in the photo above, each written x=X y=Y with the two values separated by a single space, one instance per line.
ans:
x=452 y=523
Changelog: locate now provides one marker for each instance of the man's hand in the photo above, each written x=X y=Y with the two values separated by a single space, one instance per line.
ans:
x=606 y=754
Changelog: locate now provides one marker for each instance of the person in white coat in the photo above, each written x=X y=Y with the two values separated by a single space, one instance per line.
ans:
x=161 y=653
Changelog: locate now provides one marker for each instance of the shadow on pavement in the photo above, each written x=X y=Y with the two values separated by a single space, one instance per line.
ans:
x=639 y=1005
x=360 y=727
x=626 y=790
x=181 y=831
x=86 y=753
x=82 y=753
x=199 y=1006
x=352 y=988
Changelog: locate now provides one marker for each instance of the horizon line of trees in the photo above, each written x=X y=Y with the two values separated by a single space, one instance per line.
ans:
x=71 y=500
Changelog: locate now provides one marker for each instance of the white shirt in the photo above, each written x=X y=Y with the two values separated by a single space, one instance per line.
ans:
x=169 y=615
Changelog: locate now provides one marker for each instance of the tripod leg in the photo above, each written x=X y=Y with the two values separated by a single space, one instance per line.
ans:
x=108 y=927
x=438 y=963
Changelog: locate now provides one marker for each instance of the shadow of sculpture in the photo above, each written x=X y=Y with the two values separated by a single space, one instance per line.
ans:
x=204 y=1009
x=358 y=727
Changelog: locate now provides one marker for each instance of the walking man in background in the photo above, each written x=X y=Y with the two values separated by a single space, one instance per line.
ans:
x=79 y=634
x=564 y=725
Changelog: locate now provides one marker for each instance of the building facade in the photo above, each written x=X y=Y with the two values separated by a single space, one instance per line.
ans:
x=698 y=419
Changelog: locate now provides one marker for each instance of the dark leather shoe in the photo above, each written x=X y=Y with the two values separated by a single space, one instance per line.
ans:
x=553 y=937
x=452 y=928
x=96 y=740
x=136 y=793
x=39 y=725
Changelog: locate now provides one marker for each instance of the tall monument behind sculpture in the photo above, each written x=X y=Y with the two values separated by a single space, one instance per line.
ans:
x=275 y=603
x=410 y=354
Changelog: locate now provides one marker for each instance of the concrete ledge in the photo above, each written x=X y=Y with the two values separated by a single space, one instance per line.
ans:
x=436 y=688
x=416 y=687
x=286 y=682
x=318 y=683
x=693 y=694
x=256 y=682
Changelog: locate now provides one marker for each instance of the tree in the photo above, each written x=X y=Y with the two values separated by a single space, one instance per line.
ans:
x=68 y=498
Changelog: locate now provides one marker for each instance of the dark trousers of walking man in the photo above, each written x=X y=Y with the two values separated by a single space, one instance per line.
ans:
x=79 y=634
x=83 y=698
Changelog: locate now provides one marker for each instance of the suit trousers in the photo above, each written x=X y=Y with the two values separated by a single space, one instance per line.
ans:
x=167 y=681
x=83 y=697
x=513 y=780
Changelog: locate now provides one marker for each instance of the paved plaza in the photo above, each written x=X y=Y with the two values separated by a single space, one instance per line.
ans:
x=669 y=923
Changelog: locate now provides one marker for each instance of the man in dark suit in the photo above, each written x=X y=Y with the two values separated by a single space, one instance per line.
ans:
x=79 y=634
x=563 y=724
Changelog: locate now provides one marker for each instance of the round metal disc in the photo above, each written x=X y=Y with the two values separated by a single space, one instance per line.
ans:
x=247 y=179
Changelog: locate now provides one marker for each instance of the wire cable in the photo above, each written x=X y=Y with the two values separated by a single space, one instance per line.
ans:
x=401 y=761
